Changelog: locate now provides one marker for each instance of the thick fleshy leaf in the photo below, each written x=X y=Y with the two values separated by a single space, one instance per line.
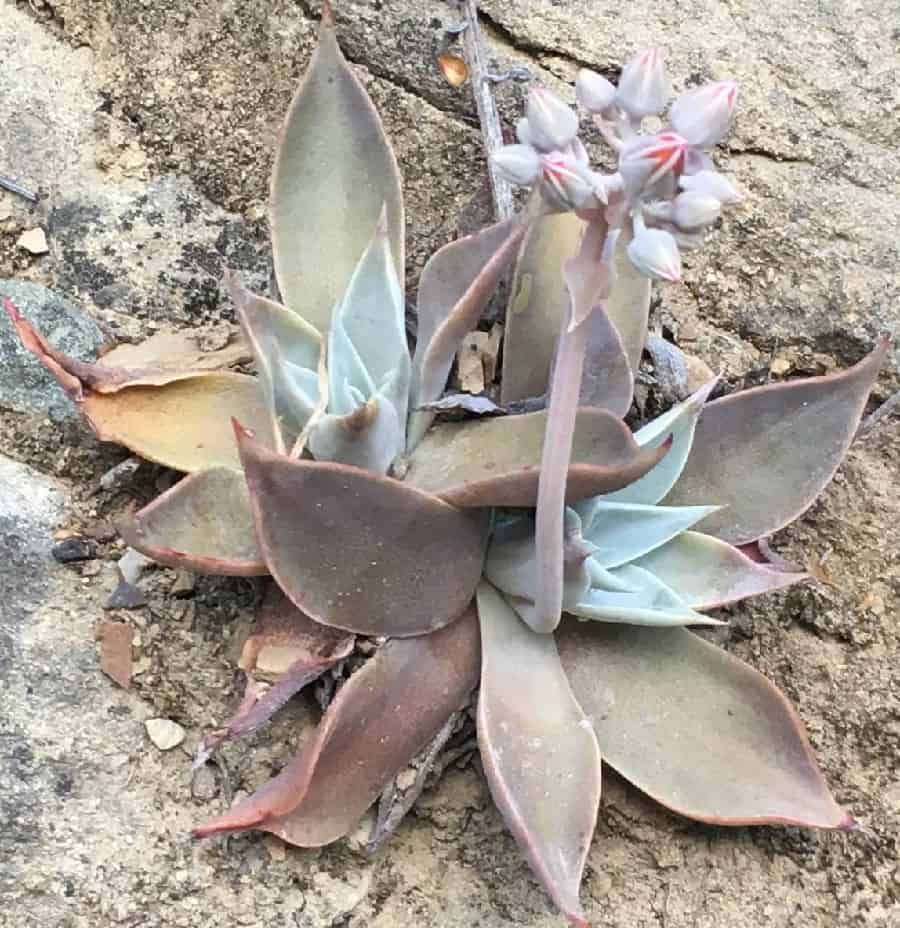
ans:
x=677 y=425
x=334 y=173
x=651 y=603
x=434 y=357
x=448 y=274
x=695 y=728
x=606 y=380
x=371 y=317
x=381 y=718
x=496 y=462
x=538 y=304
x=621 y=532
x=360 y=551
x=370 y=437
x=287 y=351
x=767 y=453
x=160 y=359
x=539 y=753
x=202 y=524
x=184 y=424
x=286 y=649
x=707 y=572
x=628 y=306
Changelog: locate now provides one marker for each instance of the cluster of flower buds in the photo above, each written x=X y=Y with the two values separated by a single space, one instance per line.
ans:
x=665 y=182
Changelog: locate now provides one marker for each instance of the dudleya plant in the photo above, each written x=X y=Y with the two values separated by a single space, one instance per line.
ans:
x=552 y=557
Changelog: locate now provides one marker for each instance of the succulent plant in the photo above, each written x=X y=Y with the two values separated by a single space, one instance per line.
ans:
x=552 y=560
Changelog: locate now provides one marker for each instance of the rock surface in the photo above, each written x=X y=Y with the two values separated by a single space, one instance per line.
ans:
x=153 y=167
x=24 y=384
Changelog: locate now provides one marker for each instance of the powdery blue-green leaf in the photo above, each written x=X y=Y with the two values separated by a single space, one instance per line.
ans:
x=651 y=603
x=621 y=532
x=368 y=368
x=372 y=316
x=334 y=173
x=538 y=750
x=707 y=572
x=287 y=350
x=767 y=453
x=370 y=437
x=678 y=424
x=695 y=728
x=202 y=524
x=358 y=551
x=511 y=563
x=386 y=713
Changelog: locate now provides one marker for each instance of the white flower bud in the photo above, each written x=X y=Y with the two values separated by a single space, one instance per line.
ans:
x=594 y=92
x=692 y=210
x=566 y=184
x=654 y=252
x=551 y=124
x=648 y=158
x=518 y=164
x=644 y=85
x=713 y=184
x=704 y=115
x=522 y=133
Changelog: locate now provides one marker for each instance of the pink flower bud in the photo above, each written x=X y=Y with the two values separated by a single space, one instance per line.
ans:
x=713 y=184
x=649 y=158
x=594 y=92
x=551 y=124
x=566 y=184
x=644 y=85
x=693 y=210
x=519 y=164
x=703 y=115
x=654 y=252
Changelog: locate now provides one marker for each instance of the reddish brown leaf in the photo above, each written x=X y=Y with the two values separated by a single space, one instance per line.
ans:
x=540 y=756
x=381 y=718
x=360 y=551
x=203 y=524
x=496 y=462
x=765 y=454
x=287 y=649
x=160 y=359
x=695 y=728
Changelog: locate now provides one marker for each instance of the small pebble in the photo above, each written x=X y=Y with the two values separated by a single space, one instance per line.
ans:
x=204 y=783
x=184 y=583
x=34 y=241
x=164 y=733
x=74 y=548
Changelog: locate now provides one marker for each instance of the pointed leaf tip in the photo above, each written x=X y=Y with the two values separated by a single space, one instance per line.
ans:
x=327 y=20
x=383 y=715
x=801 y=430
x=663 y=699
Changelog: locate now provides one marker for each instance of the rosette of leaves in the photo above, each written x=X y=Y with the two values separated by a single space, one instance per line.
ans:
x=324 y=472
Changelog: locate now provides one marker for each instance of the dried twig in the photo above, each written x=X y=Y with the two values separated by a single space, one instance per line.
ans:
x=7 y=183
x=871 y=420
x=487 y=108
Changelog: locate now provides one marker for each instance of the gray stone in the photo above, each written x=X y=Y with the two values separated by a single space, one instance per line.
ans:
x=24 y=384
x=30 y=505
